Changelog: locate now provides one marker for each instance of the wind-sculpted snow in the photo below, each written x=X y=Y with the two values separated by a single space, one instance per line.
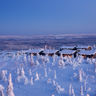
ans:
x=27 y=75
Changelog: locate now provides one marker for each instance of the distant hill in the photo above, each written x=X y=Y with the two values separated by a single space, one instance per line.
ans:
x=36 y=41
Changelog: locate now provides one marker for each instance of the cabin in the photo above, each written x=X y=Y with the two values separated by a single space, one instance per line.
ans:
x=58 y=53
x=94 y=55
x=50 y=52
x=87 y=53
x=89 y=48
x=68 y=53
x=84 y=47
x=42 y=53
x=34 y=52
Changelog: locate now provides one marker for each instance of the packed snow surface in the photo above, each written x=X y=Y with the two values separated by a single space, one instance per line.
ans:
x=28 y=75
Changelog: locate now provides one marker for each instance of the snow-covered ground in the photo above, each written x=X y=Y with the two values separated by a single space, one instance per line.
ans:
x=27 y=75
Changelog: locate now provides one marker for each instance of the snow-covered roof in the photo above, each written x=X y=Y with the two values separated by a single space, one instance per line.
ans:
x=67 y=46
x=67 y=51
x=82 y=46
x=87 y=52
x=49 y=51
x=79 y=46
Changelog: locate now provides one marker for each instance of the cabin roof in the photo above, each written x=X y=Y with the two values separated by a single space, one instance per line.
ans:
x=87 y=52
x=79 y=46
x=50 y=50
x=67 y=51
x=67 y=46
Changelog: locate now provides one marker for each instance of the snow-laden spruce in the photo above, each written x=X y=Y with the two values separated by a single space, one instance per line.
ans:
x=55 y=74
x=10 y=86
x=45 y=72
x=70 y=89
x=3 y=75
x=37 y=76
x=81 y=91
x=31 y=81
x=1 y=90
x=21 y=76
x=80 y=75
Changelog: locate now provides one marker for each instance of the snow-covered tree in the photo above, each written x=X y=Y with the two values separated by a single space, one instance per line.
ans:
x=10 y=86
x=1 y=90
x=29 y=58
x=54 y=60
x=25 y=58
x=31 y=81
x=32 y=60
x=47 y=59
x=52 y=95
x=59 y=89
x=37 y=62
x=54 y=74
x=73 y=93
x=81 y=91
x=37 y=77
x=87 y=95
x=22 y=77
x=61 y=62
x=85 y=85
x=70 y=89
x=45 y=71
x=80 y=75
x=3 y=75
x=54 y=83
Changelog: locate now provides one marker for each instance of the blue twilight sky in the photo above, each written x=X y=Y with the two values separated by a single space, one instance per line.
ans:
x=28 y=17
